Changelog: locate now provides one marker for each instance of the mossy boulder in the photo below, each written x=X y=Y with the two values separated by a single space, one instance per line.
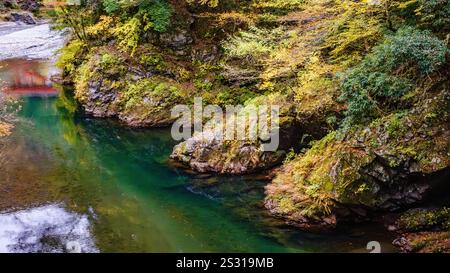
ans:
x=109 y=85
x=99 y=81
x=384 y=166
x=424 y=219
x=208 y=152
x=424 y=230
x=149 y=102
x=424 y=242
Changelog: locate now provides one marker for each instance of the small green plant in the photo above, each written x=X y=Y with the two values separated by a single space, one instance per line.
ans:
x=128 y=35
x=71 y=57
x=111 y=6
x=159 y=12
x=289 y=156
x=395 y=127
x=376 y=85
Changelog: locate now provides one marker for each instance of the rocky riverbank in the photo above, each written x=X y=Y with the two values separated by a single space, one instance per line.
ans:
x=20 y=11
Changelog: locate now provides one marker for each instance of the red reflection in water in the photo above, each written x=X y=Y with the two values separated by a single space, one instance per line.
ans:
x=24 y=91
x=26 y=78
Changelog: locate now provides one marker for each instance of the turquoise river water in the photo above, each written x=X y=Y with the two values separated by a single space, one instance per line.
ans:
x=122 y=181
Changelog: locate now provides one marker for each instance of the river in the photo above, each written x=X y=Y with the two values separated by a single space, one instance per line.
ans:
x=69 y=181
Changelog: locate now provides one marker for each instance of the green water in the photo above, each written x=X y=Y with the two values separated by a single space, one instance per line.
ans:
x=135 y=199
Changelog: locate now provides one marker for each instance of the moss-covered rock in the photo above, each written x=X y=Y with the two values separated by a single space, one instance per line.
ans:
x=424 y=242
x=98 y=83
x=208 y=152
x=424 y=230
x=149 y=102
x=19 y=11
x=384 y=166
x=424 y=219
x=109 y=85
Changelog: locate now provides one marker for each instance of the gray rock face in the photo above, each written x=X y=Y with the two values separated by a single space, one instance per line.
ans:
x=207 y=54
x=207 y=152
x=177 y=40
x=23 y=17
x=30 y=5
x=100 y=100
x=46 y=229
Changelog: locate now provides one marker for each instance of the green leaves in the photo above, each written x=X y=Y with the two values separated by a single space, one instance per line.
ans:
x=159 y=12
x=154 y=14
x=384 y=76
x=409 y=45
x=111 y=6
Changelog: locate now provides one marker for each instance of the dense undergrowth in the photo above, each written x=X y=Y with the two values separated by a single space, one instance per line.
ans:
x=367 y=80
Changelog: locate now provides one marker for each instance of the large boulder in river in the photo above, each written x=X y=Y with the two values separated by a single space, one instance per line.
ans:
x=209 y=152
x=385 y=166
x=303 y=118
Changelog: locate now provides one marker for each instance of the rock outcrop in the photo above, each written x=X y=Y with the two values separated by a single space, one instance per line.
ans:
x=109 y=86
x=29 y=5
x=19 y=11
x=5 y=129
x=385 y=166
x=424 y=230
x=23 y=17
